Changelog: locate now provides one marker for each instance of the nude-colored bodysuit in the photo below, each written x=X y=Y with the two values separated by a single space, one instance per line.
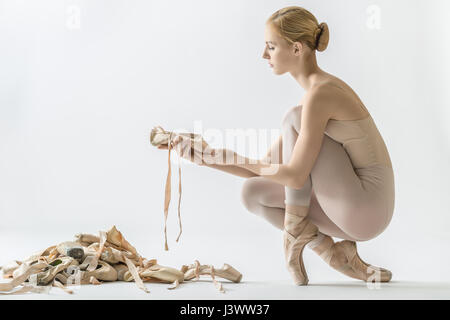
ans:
x=351 y=187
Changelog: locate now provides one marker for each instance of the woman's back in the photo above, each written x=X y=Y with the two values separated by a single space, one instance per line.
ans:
x=352 y=125
x=362 y=141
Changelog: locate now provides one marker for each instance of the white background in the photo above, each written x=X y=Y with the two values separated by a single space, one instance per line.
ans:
x=78 y=99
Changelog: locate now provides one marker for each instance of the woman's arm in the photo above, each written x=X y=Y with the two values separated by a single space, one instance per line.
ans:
x=273 y=156
x=233 y=169
x=295 y=172
x=283 y=174
x=230 y=168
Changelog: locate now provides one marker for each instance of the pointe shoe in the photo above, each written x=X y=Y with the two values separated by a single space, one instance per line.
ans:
x=356 y=267
x=104 y=272
x=293 y=246
x=53 y=268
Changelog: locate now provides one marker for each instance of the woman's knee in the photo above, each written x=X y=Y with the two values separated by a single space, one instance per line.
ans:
x=249 y=193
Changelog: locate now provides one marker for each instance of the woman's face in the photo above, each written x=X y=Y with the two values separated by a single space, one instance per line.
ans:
x=278 y=52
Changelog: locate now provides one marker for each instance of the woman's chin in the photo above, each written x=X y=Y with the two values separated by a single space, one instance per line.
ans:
x=279 y=72
x=275 y=71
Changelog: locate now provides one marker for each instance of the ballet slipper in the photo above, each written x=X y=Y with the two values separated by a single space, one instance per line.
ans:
x=134 y=274
x=160 y=137
x=147 y=263
x=26 y=271
x=121 y=270
x=116 y=238
x=226 y=272
x=343 y=257
x=71 y=249
x=195 y=270
x=229 y=273
x=51 y=267
x=163 y=273
x=56 y=266
x=20 y=270
x=324 y=246
x=153 y=272
x=361 y=270
x=112 y=255
x=86 y=239
x=39 y=256
x=42 y=253
x=10 y=267
x=105 y=273
x=62 y=277
x=298 y=232
x=110 y=247
x=109 y=254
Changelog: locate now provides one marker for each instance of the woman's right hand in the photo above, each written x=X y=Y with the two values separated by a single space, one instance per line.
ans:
x=183 y=146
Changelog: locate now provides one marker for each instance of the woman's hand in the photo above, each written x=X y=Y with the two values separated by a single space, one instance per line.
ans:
x=191 y=150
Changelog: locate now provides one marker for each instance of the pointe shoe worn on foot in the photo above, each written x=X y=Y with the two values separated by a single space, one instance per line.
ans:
x=358 y=268
x=343 y=257
x=293 y=245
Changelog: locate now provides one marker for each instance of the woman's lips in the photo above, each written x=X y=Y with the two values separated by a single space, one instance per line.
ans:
x=271 y=65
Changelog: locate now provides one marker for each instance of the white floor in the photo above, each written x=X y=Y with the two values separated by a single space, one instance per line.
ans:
x=259 y=290
x=261 y=263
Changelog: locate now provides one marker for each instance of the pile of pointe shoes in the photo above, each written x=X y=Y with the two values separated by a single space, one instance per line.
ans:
x=91 y=259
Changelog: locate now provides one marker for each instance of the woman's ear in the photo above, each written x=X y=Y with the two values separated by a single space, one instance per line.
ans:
x=298 y=47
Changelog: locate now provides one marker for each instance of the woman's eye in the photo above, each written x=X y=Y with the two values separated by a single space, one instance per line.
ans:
x=271 y=48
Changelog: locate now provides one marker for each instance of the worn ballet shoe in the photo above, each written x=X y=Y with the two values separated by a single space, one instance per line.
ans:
x=361 y=269
x=324 y=246
x=9 y=268
x=56 y=266
x=159 y=136
x=121 y=269
x=343 y=257
x=298 y=232
x=227 y=272
x=104 y=272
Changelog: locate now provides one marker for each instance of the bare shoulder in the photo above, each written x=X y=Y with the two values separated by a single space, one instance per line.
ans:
x=320 y=100
x=317 y=109
x=337 y=99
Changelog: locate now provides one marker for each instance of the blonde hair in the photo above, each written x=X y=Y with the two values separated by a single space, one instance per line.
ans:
x=298 y=24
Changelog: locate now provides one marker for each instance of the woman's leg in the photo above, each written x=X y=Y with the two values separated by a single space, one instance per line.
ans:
x=265 y=198
x=339 y=191
x=298 y=227
x=341 y=194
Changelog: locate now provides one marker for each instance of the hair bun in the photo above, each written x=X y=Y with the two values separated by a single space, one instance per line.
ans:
x=322 y=36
